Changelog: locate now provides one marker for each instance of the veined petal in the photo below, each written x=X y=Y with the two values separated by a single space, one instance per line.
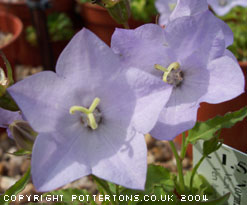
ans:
x=7 y=117
x=174 y=120
x=142 y=47
x=224 y=9
x=56 y=163
x=41 y=99
x=152 y=95
x=189 y=8
x=128 y=165
x=87 y=56
x=226 y=80
x=188 y=35
x=110 y=153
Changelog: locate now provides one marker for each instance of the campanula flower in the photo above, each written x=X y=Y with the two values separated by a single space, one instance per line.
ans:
x=190 y=58
x=196 y=9
x=90 y=115
x=222 y=7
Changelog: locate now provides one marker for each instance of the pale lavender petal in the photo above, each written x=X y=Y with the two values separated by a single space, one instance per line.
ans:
x=150 y=101
x=190 y=34
x=165 y=8
x=189 y=8
x=111 y=152
x=226 y=80
x=142 y=47
x=128 y=165
x=41 y=99
x=85 y=55
x=7 y=117
x=228 y=34
x=56 y=163
x=199 y=9
x=222 y=7
x=231 y=55
x=175 y=120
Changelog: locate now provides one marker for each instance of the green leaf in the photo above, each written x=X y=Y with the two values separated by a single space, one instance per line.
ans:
x=220 y=201
x=21 y=152
x=200 y=186
x=17 y=187
x=79 y=196
x=211 y=145
x=206 y=130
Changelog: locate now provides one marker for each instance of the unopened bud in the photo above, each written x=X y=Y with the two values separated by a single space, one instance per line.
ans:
x=23 y=134
x=119 y=10
x=3 y=78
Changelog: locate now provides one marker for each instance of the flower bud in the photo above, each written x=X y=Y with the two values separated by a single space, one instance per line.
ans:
x=23 y=134
x=119 y=10
x=3 y=78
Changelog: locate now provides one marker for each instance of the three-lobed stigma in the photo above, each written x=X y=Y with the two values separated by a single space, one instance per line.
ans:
x=173 y=75
x=90 y=116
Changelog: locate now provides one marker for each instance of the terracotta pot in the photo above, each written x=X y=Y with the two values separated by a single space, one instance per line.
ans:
x=19 y=9
x=235 y=136
x=12 y=24
x=100 y=22
x=62 y=5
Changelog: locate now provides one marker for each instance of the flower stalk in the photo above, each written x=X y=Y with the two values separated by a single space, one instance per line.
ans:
x=179 y=166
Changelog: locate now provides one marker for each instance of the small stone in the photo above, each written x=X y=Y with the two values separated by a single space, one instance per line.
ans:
x=13 y=163
x=25 y=165
x=1 y=168
x=150 y=141
x=6 y=182
x=150 y=158
x=162 y=151
x=187 y=164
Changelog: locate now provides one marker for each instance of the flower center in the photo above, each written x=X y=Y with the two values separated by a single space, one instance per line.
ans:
x=90 y=116
x=173 y=75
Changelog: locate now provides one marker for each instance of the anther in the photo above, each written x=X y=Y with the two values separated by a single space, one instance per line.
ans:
x=172 y=75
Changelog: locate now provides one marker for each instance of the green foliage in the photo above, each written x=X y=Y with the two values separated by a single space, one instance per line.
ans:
x=16 y=188
x=237 y=21
x=143 y=10
x=60 y=28
x=206 y=130
x=211 y=145
x=21 y=152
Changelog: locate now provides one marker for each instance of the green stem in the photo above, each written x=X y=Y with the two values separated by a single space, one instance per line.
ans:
x=184 y=146
x=195 y=170
x=179 y=166
x=117 y=190
x=105 y=187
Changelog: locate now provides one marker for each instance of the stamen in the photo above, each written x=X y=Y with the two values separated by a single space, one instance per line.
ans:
x=173 y=66
x=160 y=67
x=172 y=75
x=89 y=112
